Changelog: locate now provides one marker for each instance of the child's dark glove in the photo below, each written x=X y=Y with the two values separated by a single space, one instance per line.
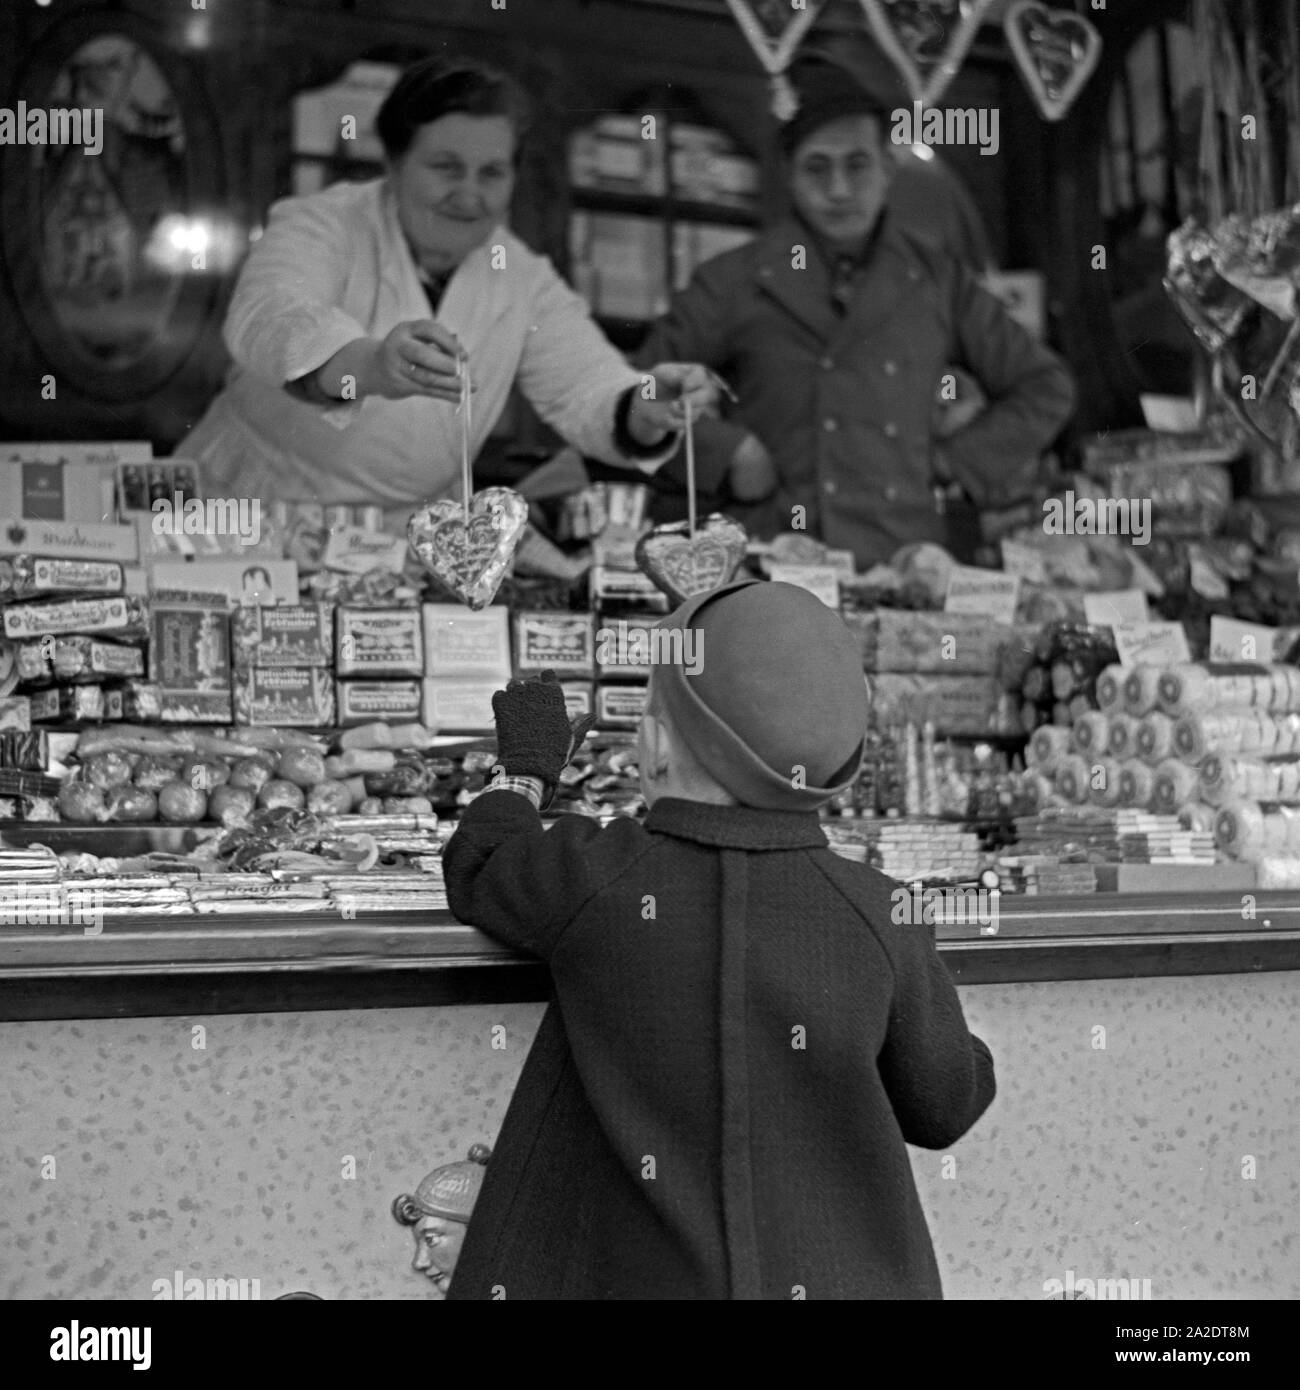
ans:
x=534 y=735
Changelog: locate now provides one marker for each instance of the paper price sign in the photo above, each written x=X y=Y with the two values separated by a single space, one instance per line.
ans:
x=989 y=593
x=1151 y=644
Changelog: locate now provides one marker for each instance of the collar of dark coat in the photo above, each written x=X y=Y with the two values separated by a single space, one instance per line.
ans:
x=735 y=827
x=890 y=272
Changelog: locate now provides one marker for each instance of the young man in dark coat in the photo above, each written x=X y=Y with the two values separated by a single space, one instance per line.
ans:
x=842 y=328
x=741 y=1041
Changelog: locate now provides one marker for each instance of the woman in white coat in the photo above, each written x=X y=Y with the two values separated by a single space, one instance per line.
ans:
x=358 y=307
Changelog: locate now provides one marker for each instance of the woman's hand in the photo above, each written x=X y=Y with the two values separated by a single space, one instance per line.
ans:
x=675 y=384
x=418 y=358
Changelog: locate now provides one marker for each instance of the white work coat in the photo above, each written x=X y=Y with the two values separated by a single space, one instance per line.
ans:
x=334 y=267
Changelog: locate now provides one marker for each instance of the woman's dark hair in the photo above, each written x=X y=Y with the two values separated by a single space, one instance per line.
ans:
x=436 y=87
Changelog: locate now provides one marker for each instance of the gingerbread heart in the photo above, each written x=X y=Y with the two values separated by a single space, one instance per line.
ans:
x=1055 y=50
x=926 y=40
x=683 y=566
x=470 y=559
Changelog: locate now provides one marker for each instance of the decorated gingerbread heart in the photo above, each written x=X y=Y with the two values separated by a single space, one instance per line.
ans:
x=682 y=565
x=775 y=30
x=926 y=40
x=1056 y=51
x=471 y=558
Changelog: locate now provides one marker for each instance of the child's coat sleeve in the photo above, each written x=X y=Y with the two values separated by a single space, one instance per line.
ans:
x=938 y=1074
x=521 y=883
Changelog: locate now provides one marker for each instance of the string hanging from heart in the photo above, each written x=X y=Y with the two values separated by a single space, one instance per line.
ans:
x=464 y=410
x=690 y=467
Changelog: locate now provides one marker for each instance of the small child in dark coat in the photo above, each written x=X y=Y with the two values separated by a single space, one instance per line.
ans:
x=742 y=1041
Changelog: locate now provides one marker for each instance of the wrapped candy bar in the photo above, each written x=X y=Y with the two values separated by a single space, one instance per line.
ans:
x=76 y=659
x=34 y=576
x=127 y=618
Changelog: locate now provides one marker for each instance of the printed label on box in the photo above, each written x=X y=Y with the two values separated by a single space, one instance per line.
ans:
x=362 y=702
x=379 y=642
x=190 y=660
x=620 y=706
x=70 y=540
x=299 y=634
x=357 y=551
x=125 y=615
x=461 y=642
x=260 y=581
x=286 y=697
x=559 y=642
x=578 y=696
x=459 y=706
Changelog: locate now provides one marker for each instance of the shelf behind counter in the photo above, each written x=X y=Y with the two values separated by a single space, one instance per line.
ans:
x=156 y=966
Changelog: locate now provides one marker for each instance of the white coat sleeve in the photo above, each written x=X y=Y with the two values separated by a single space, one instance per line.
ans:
x=573 y=376
x=283 y=321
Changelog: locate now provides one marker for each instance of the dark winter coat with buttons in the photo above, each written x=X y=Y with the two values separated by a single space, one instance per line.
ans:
x=845 y=403
x=740 y=1046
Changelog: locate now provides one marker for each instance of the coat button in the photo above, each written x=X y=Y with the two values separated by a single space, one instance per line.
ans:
x=827 y=364
x=891 y=430
x=891 y=493
x=828 y=487
x=891 y=368
x=830 y=424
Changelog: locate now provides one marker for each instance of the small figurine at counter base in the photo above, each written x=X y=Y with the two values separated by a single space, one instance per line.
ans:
x=439 y=1214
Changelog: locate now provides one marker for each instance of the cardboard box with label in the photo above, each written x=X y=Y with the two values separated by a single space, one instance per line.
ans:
x=189 y=658
x=559 y=642
x=364 y=702
x=296 y=634
x=284 y=697
x=259 y=581
x=461 y=642
x=455 y=706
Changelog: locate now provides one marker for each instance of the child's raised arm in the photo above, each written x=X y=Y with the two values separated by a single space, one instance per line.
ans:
x=505 y=872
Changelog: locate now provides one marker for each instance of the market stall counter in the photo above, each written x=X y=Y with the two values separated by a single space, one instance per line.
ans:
x=291 y=1072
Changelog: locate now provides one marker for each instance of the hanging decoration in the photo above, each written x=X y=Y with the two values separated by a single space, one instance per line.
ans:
x=1057 y=51
x=468 y=545
x=775 y=31
x=684 y=558
x=926 y=40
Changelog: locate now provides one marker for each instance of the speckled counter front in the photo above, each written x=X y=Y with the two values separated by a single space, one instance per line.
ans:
x=1144 y=1130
